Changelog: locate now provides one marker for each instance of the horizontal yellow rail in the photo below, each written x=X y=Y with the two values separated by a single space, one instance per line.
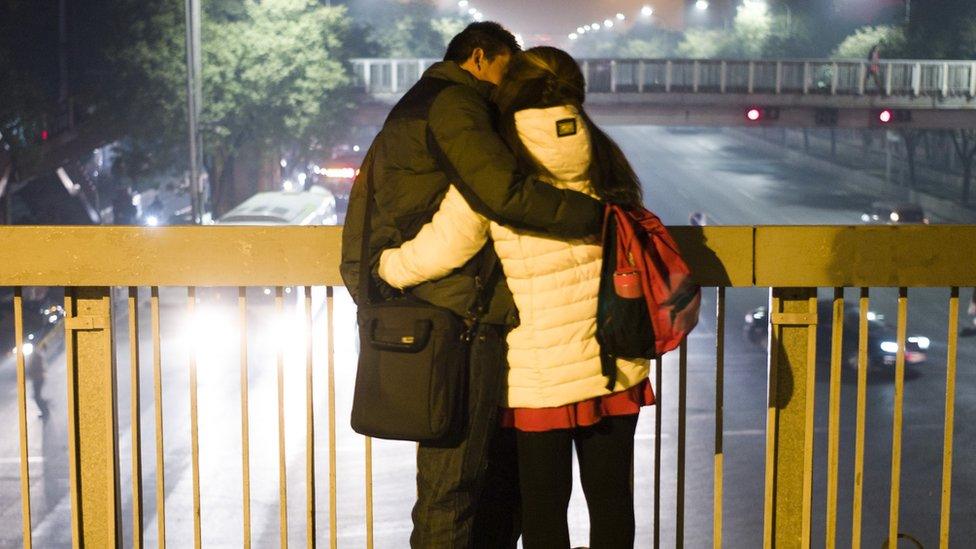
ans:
x=765 y=256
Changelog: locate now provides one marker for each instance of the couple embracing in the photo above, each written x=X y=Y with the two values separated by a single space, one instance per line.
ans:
x=491 y=157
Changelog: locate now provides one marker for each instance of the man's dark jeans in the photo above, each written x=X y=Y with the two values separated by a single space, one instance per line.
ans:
x=467 y=488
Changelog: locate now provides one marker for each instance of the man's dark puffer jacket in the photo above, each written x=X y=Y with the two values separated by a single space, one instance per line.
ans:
x=409 y=184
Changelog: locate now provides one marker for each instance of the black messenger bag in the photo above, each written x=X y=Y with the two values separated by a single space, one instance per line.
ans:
x=412 y=373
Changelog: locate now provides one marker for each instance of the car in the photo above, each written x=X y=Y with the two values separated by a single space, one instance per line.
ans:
x=339 y=173
x=316 y=206
x=886 y=213
x=882 y=338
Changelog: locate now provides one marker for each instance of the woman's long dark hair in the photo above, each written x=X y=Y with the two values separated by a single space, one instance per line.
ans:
x=544 y=77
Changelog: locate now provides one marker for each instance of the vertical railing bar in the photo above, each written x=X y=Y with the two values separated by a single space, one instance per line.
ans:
x=833 y=422
x=752 y=77
x=950 y=413
x=719 y=415
x=136 y=417
x=834 y=67
x=309 y=427
x=679 y=528
x=771 y=412
x=282 y=472
x=333 y=516
x=73 y=464
x=158 y=406
x=658 y=376
x=25 y=506
x=897 y=419
x=245 y=419
x=369 y=493
x=888 y=71
x=862 y=387
x=191 y=295
x=806 y=510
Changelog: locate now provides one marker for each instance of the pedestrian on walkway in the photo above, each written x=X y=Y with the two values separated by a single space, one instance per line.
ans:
x=874 y=68
x=37 y=374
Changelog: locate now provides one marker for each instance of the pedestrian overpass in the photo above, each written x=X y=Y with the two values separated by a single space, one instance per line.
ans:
x=107 y=465
x=722 y=92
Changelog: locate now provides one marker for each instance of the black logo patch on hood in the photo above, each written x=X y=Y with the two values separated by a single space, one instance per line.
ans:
x=566 y=127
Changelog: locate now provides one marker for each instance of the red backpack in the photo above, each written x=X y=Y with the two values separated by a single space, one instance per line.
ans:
x=648 y=301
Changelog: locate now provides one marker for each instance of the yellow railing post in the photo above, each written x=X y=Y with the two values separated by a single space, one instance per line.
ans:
x=789 y=419
x=92 y=419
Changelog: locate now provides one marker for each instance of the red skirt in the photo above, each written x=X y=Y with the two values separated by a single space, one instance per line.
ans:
x=580 y=414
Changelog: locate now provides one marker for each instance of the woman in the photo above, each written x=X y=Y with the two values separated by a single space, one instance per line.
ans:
x=557 y=394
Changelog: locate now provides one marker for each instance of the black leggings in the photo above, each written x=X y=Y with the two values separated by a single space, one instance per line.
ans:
x=606 y=457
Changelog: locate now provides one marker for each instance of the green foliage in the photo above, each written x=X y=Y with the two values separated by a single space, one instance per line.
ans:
x=704 y=44
x=641 y=41
x=858 y=45
x=273 y=77
x=414 y=28
x=751 y=32
x=942 y=30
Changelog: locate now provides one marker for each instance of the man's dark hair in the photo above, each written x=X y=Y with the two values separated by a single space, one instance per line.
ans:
x=488 y=35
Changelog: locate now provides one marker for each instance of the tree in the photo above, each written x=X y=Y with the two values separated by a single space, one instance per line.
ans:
x=407 y=29
x=942 y=30
x=704 y=44
x=858 y=45
x=273 y=78
x=751 y=31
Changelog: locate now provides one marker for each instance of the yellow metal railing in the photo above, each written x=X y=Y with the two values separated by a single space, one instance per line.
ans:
x=792 y=261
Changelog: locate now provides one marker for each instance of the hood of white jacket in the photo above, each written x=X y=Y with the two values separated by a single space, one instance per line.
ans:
x=558 y=139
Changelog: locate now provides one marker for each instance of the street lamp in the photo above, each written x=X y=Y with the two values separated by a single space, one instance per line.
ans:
x=701 y=5
x=621 y=17
x=607 y=23
x=647 y=11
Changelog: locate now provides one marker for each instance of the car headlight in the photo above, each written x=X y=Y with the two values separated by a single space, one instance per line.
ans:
x=922 y=342
x=889 y=346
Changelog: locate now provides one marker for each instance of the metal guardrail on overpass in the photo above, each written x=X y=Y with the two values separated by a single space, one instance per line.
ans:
x=945 y=80
x=792 y=261
x=700 y=91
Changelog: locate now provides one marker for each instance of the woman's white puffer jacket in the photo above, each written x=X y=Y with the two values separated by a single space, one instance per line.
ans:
x=553 y=355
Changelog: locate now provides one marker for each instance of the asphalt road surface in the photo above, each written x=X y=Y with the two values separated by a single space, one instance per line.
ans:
x=683 y=171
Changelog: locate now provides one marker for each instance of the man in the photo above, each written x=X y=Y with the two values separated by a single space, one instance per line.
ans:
x=442 y=133
x=37 y=374
x=874 y=67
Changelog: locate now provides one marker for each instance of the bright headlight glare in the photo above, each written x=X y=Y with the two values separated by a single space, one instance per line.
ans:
x=922 y=342
x=889 y=346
